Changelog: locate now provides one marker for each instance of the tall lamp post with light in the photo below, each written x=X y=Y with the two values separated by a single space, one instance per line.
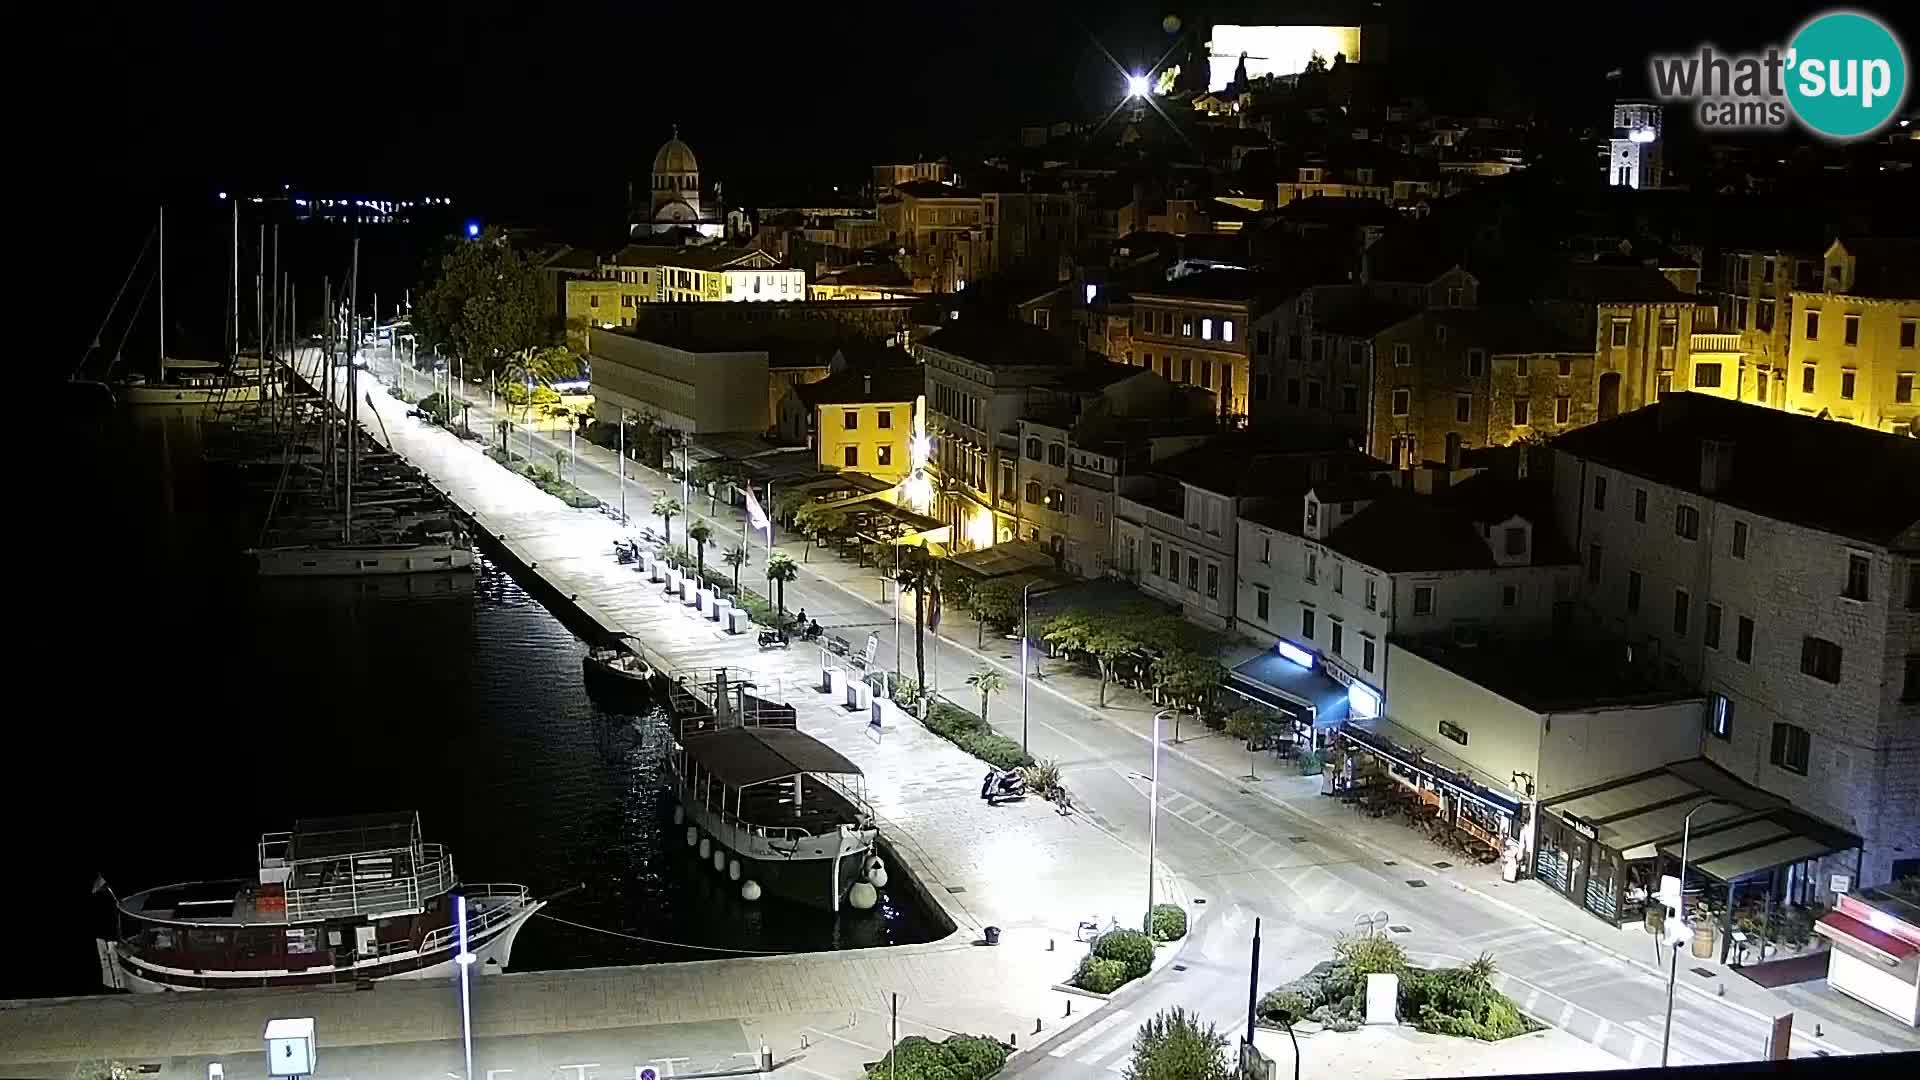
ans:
x=1153 y=815
x=1025 y=592
x=464 y=959
x=1678 y=937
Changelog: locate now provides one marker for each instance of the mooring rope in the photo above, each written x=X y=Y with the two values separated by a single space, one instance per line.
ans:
x=657 y=941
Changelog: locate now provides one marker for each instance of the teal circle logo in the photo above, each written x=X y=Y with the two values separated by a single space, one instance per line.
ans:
x=1847 y=74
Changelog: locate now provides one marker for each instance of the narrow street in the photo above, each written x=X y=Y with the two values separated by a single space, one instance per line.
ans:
x=1241 y=850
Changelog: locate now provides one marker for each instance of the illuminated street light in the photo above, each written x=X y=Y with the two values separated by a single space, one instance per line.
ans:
x=1137 y=86
x=473 y=229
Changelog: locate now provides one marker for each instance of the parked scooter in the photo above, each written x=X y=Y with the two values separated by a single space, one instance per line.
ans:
x=1003 y=785
x=774 y=639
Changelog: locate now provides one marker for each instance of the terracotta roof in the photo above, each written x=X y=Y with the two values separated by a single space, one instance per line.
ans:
x=998 y=344
x=1821 y=474
x=855 y=386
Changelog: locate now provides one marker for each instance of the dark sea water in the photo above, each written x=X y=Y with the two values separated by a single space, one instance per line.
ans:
x=191 y=707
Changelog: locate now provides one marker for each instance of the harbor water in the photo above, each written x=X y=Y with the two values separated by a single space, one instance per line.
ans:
x=220 y=706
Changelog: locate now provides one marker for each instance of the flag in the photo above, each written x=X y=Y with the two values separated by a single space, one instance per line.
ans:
x=756 y=515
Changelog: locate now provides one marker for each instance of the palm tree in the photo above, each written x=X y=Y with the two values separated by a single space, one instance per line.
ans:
x=700 y=533
x=736 y=557
x=666 y=506
x=780 y=570
x=539 y=366
x=989 y=682
x=917 y=572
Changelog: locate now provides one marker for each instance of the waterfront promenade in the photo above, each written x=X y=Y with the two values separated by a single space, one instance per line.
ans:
x=1262 y=846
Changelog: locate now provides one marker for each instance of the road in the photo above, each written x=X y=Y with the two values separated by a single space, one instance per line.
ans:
x=1243 y=855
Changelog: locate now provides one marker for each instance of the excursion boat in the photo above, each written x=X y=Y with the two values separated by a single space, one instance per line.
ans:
x=338 y=899
x=779 y=810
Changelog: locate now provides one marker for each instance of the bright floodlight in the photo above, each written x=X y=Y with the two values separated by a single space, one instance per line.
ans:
x=1641 y=135
x=1137 y=86
x=473 y=228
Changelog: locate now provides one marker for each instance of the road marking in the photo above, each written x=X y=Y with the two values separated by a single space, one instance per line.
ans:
x=1251 y=835
x=1100 y=1027
x=1600 y=1031
x=844 y=1039
x=809 y=1072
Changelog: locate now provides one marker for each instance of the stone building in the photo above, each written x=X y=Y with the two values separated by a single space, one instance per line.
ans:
x=1856 y=341
x=1772 y=560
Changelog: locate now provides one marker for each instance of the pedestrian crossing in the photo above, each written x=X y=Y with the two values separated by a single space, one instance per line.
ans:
x=1105 y=1045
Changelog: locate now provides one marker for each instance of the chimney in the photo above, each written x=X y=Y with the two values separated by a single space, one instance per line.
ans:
x=1716 y=465
x=866 y=385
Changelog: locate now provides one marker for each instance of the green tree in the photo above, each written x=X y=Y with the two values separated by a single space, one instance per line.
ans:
x=736 y=557
x=780 y=570
x=919 y=571
x=996 y=603
x=819 y=522
x=701 y=534
x=484 y=303
x=524 y=378
x=1187 y=679
x=1174 y=1046
x=1107 y=644
x=665 y=507
x=988 y=682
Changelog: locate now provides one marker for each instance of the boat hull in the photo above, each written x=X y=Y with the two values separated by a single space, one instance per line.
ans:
x=162 y=394
x=368 y=562
x=816 y=871
x=492 y=949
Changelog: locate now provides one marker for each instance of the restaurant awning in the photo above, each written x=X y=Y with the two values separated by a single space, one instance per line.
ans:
x=1846 y=930
x=1738 y=830
x=1277 y=682
x=1420 y=755
x=1780 y=838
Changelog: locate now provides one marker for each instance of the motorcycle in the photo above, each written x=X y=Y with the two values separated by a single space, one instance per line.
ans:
x=1003 y=785
x=774 y=639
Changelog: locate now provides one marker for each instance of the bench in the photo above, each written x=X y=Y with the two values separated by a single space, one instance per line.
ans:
x=837 y=645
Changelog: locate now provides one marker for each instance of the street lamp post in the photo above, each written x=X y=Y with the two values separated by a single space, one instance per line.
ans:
x=1024 y=591
x=465 y=961
x=1153 y=816
x=1680 y=903
x=623 y=466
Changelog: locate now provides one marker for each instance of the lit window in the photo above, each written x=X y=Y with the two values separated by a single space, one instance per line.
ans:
x=1226 y=330
x=1206 y=329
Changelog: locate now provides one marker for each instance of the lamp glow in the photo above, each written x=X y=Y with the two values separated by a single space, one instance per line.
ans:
x=1295 y=653
x=1641 y=135
x=473 y=229
x=1137 y=86
x=1362 y=701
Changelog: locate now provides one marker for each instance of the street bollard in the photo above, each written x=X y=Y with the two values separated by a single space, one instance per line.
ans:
x=1069 y=1011
x=1036 y=1025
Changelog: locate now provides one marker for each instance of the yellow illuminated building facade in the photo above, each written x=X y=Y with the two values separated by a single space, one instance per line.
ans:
x=1855 y=351
x=864 y=420
x=604 y=304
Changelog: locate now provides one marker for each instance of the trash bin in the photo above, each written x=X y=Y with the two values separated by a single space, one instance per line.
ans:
x=1703 y=940
x=993 y=935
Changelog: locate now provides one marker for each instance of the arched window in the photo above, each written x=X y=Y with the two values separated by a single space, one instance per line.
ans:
x=1033 y=491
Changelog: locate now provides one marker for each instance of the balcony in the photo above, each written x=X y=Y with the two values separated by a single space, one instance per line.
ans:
x=1716 y=342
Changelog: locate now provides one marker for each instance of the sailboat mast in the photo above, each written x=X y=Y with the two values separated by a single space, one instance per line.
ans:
x=260 y=306
x=162 y=359
x=233 y=274
x=327 y=326
x=353 y=383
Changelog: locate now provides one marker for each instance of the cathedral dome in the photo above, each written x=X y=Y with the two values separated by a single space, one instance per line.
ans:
x=675 y=157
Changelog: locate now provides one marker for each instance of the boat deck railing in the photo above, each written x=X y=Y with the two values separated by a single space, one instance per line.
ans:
x=400 y=893
x=502 y=903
